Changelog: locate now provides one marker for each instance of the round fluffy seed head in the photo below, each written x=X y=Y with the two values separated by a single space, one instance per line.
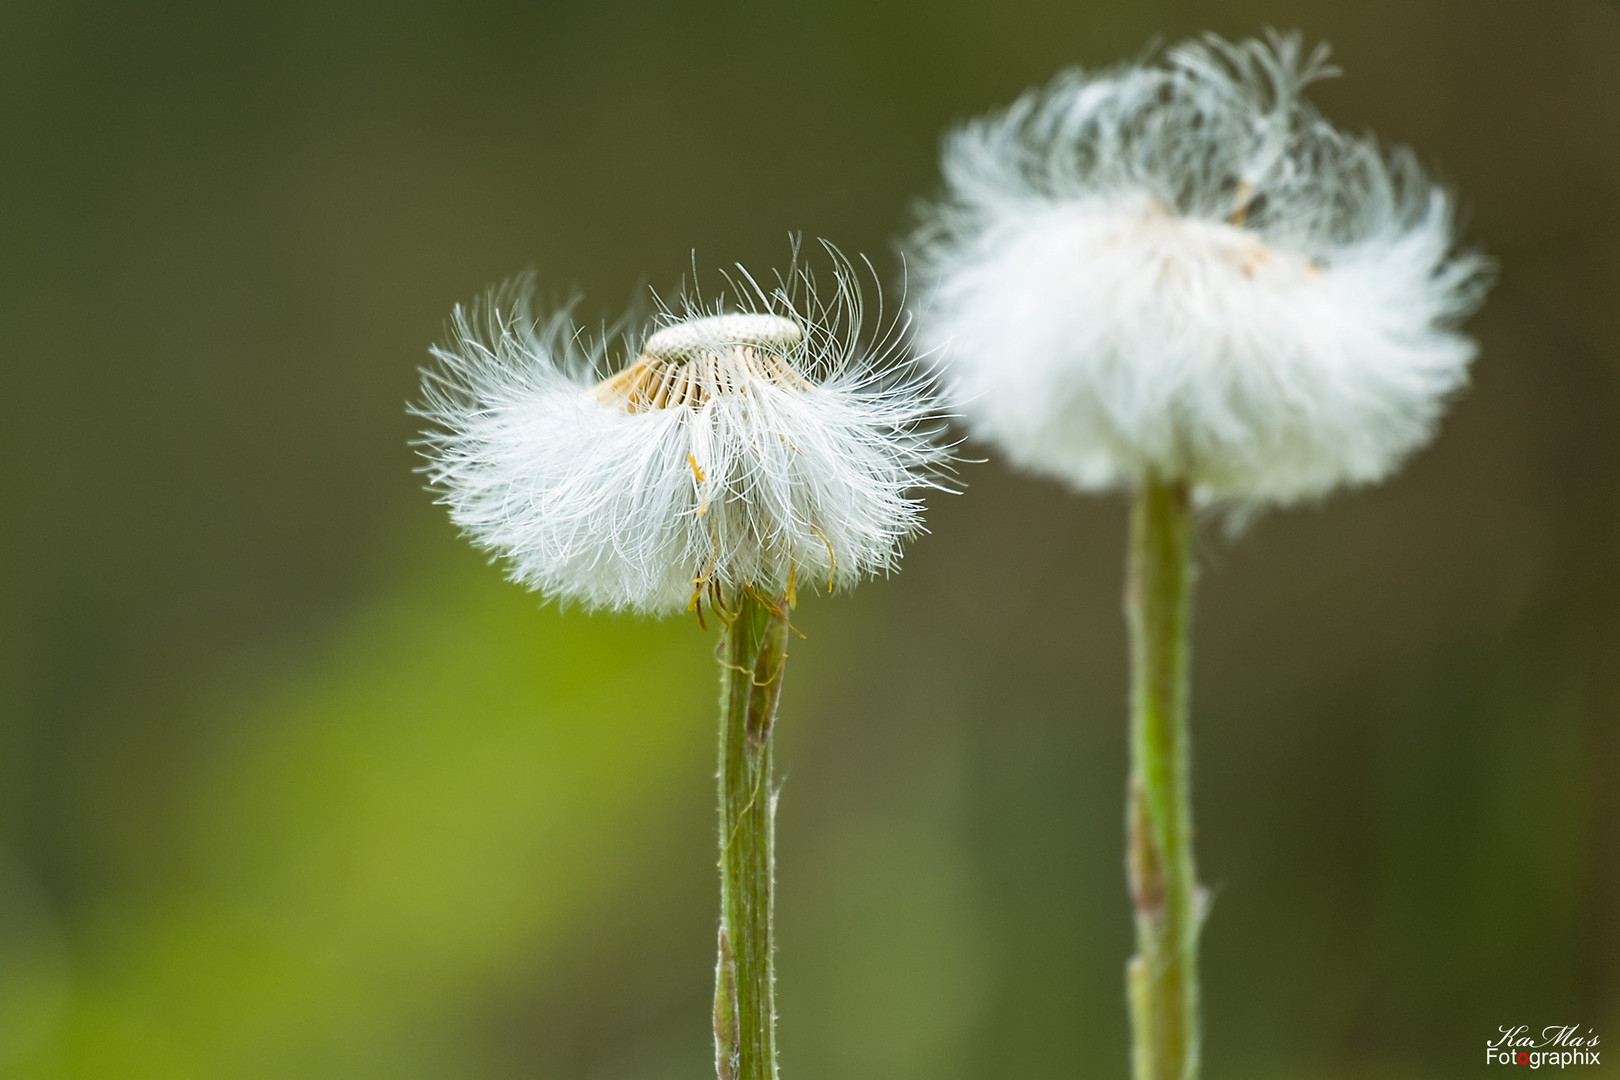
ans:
x=1184 y=272
x=759 y=449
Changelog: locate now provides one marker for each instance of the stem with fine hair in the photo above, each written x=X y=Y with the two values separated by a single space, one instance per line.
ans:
x=752 y=653
x=1162 y=978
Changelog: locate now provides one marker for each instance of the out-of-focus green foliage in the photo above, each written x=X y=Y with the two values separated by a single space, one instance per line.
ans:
x=293 y=785
x=450 y=780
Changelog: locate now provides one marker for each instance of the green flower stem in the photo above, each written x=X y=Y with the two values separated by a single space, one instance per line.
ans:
x=1163 y=975
x=752 y=654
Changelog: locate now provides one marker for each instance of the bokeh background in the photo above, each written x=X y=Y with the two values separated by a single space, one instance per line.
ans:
x=293 y=785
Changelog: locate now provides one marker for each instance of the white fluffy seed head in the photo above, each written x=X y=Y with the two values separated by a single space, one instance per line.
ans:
x=765 y=448
x=1184 y=272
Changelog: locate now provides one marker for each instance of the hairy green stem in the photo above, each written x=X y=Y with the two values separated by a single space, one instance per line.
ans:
x=1162 y=977
x=752 y=654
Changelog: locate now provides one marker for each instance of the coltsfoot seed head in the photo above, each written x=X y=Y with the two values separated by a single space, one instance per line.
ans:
x=1184 y=272
x=746 y=449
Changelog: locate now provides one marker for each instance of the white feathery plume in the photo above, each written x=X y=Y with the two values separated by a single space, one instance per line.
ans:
x=754 y=447
x=1183 y=272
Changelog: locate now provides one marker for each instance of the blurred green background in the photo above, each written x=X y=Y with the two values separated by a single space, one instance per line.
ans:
x=293 y=785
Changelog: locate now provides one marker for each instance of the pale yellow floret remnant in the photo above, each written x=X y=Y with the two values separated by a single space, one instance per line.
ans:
x=689 y=362
x=1191 y=245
